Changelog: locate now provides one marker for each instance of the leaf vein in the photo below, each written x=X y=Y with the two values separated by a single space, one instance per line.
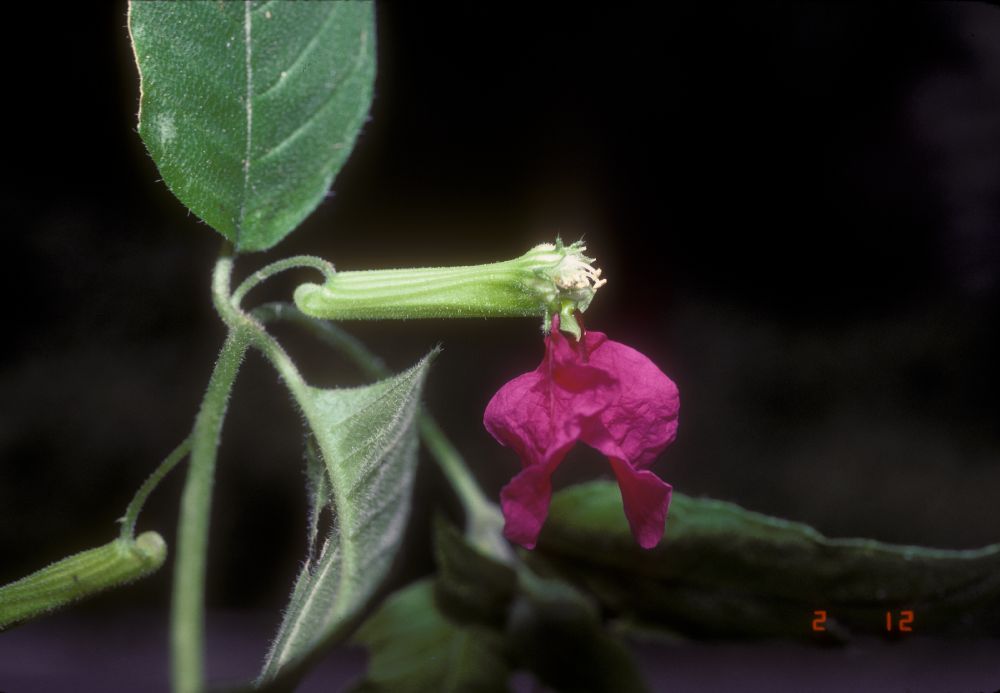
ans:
x=306 y=49
x=281 y=654
x=399 y=384
x=248 y=105
x=313 y=117
x=368 y=471
x=262 y=7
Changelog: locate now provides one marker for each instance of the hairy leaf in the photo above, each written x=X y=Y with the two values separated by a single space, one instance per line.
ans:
x=367 y=439
x=250 y=109
x=415 y=648
x=725 y=571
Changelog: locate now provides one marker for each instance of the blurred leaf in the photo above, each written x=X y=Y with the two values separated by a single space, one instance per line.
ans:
x=725 y=571
x=557 y=633
x=414 y=647
x=250 y=109
x=553 y=629
x=367 y=439
x=470 y=586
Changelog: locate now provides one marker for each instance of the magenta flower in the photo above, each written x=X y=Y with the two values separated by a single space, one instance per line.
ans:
x=603 y=393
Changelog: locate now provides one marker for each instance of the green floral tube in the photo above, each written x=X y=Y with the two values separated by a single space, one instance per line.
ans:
x=79 y=576
x=550 y=278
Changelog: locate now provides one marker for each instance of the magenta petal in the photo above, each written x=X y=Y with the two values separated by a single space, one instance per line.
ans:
x=646 y=498
x=604 y=394
x=643 y=419
x=525 y=501
x=517 y=417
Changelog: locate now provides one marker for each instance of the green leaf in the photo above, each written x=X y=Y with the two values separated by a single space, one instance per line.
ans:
x=725 y=571
x=367 y=438
x=250 y=109
x=414 y=647
x=319 y=493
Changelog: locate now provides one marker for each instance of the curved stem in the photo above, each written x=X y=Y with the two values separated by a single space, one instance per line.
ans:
x=139 y=499
x=328 y=333
x=222 y=277
x=484 y=521
x=252 y=329
x=299 y=261
x=451 y=463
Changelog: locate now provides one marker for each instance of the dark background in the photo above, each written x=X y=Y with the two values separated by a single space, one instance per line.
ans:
x=797 y=207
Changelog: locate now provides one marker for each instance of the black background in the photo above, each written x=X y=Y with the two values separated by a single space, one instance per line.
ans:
x=797 y=207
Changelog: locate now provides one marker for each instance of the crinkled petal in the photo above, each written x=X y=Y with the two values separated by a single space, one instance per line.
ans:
x=601 y=392
x=517 y=417
x=542 y=410
x=646 y=499
x=642 y=420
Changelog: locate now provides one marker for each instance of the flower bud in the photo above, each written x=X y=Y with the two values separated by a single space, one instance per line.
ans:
x=550 y=279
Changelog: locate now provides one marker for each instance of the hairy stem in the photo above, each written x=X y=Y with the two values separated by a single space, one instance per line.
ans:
x=299 y=261
x=139 y=499
x=187 y=623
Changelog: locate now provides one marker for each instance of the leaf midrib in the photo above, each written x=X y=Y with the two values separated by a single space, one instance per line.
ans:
x=248 y=107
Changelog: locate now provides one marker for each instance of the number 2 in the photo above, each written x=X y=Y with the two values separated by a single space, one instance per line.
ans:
x=903 y=624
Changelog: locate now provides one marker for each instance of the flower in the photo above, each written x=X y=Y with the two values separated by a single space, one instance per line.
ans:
x=598 y=391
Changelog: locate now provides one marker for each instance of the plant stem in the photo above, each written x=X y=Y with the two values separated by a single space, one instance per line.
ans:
x=299 y=261
x=188 y=606
x=484 y=521
x=483 y=517
x=453 y=466
x=252 y=329
x=328 y=333
x=139 y=499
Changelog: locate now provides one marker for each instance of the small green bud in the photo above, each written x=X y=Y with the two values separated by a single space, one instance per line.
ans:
x=81 y=575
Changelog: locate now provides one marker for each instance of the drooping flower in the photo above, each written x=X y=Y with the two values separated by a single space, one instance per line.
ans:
x=597 y=391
